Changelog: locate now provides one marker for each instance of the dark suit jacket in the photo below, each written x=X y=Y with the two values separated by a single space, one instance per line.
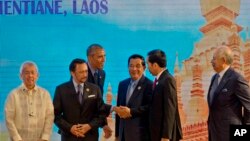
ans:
x=135 y=128
x=100 y=84
x=164 y=115
x=68 y=110
x=101 y=78
x=230 y=96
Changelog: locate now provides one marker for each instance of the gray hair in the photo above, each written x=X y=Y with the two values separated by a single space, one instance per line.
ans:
x=92 y=48
x=29 y=63
x=226 y=53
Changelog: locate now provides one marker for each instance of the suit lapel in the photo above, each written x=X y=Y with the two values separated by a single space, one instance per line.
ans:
x=86 y=90
x=90 y=76
x=224 y=80
x=124 y=92
x=72 y=90
x=87 y=93
x=162 y=76
x=208 y=95
x=137 y=89
x=101 y=77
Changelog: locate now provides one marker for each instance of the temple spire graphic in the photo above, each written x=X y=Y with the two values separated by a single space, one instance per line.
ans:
x=178 y=80
x=197 y=105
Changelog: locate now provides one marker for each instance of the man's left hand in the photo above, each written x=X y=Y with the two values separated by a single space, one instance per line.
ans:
x=107 y=131
x=83 y=128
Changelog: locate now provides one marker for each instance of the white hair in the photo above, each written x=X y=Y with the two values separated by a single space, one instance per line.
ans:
x=30 y=63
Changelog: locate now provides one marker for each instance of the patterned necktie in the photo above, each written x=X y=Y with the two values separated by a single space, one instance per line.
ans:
x=213 y=87
x=130 y=91
x=155 y=82
x=80 y=93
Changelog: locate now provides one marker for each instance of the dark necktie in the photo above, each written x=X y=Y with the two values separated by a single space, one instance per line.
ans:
x=80 y=93
x=96 y=77
x=155 y=83
x=130 y=91
x=213 y=87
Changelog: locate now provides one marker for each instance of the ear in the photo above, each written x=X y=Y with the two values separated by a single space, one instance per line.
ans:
x=72 y=73
x=223 y=60
x=155 y=65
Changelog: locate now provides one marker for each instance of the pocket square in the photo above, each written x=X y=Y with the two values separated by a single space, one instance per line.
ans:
x=91 y=96
x=224 y=90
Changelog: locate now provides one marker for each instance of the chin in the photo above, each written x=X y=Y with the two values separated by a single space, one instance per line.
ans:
x=134 y=78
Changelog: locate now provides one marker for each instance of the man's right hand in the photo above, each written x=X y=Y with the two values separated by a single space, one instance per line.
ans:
x=123 y=112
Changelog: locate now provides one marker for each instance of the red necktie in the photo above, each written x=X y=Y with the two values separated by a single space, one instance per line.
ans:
x=155 y=82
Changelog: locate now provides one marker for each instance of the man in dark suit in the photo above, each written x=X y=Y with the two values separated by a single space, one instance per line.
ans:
x=164 y=120
x=228 y=93
x=134 y=95
x=96 y=59
x=78 y=106
x=96 y=75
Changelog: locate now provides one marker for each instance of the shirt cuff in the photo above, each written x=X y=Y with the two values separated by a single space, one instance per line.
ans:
x=17 y=138
x=45 y=137
x=112 y=109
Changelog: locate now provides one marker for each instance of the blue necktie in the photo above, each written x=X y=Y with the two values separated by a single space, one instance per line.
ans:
x=130 y=91
x=213 y=87
x=80 y=93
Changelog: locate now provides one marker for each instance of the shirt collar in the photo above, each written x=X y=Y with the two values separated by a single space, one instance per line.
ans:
x=135 y=81
x=24 y=88
x=159 y=74
x=223 y=72
x=76 y=85
x=92 y=69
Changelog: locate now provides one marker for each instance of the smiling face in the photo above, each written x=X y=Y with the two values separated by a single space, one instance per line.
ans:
x=29 y=75
x=97 y=58
x=136 y=69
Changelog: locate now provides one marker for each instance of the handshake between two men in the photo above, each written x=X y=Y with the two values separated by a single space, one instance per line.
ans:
x=122 y=111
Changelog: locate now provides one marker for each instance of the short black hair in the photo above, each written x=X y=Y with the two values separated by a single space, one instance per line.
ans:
x=158 y=56
x=72 y=66
x=92 y=47
x=137 y=56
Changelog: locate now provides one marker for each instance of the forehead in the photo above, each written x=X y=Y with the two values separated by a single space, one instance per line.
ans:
x=135 y=61
x=82 y=66
x=29 y=67
x=98 y=51
x=216 y=54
